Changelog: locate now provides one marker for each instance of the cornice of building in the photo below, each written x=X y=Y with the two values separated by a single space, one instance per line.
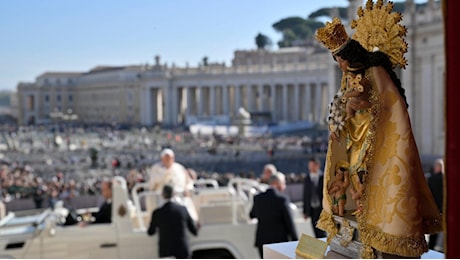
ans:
x=104 y=69
x=56 y=74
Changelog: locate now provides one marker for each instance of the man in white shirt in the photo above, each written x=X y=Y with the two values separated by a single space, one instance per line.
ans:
x=168 y=171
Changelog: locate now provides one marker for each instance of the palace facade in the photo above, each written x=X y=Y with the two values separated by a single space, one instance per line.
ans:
x=292 y=84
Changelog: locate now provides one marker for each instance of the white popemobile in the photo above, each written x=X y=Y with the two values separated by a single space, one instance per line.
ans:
x=226 y=230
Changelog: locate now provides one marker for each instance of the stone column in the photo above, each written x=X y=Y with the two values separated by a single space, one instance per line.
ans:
x=308 y=102
x=220 y=102
x=188 y=107
x=302 y=102
x=225 y=100
x=318 y=101
x=237 y=98
x=327 y=100
x=153 y=118
x=146 y=104
x=171 y=109
x=285 y=104
x=231 y=90
x=295 y=114
x=182 y=105
x=424 y=120
x=250 y=98
x=205 y=100
x=273 y=102
x=262 y=98
x=212 y=100
x=200 y=101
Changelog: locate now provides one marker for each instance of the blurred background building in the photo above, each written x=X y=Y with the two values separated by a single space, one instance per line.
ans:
x=290 y=85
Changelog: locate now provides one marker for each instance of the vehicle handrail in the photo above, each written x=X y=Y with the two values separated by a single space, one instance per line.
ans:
x=244 y=191
x=8 y=222
x=205 y=182
x=137 y=202
x=241 y=191
x=42 y=217
x=243 y=182
x=7 y=218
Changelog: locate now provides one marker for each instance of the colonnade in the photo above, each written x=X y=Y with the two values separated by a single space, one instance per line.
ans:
x=286 y=102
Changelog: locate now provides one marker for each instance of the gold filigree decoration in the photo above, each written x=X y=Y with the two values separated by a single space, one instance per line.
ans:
x=377 y=28
x=367 y=253
x=333 y=35
x=326 y=222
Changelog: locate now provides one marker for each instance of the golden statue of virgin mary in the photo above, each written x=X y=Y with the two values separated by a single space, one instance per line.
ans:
x=394 y=207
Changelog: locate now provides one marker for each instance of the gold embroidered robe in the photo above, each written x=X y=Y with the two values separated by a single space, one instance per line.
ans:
x=397 y=205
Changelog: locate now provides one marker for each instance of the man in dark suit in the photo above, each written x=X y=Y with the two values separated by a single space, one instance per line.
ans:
x=172 y=220
x=104 y=215
x=313 y=194
x=271 y=208
x=436 y=185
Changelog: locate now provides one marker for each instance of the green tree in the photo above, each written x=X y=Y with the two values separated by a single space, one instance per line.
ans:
x=343 y=13
x=295 y=29
x=288 y=38
x=288 y=23
x=313 y=25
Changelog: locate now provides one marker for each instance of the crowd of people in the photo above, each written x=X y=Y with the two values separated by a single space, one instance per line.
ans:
x=71 y=174
x=35 y=169
x=20 y=182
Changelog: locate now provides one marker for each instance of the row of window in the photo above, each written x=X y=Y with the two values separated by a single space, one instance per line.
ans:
x=58 y=81
x=58 y=98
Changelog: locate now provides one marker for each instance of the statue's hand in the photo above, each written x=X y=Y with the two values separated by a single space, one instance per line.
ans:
x=334 y=136
x=357 y=103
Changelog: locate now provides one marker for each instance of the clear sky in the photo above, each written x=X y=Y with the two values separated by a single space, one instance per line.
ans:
x=76 y=35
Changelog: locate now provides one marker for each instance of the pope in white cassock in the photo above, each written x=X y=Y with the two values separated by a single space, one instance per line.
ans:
x=168 y=171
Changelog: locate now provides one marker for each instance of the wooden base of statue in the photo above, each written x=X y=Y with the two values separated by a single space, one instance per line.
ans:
x=347 y=242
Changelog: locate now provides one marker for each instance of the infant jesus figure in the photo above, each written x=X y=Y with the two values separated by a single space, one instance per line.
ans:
x=338 y=188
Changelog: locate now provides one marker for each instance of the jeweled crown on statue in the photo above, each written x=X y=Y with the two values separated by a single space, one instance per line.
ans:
x=333 y=36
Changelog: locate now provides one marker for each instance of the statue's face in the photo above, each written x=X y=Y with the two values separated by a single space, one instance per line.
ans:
x=343 y=64
x=339 y=174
